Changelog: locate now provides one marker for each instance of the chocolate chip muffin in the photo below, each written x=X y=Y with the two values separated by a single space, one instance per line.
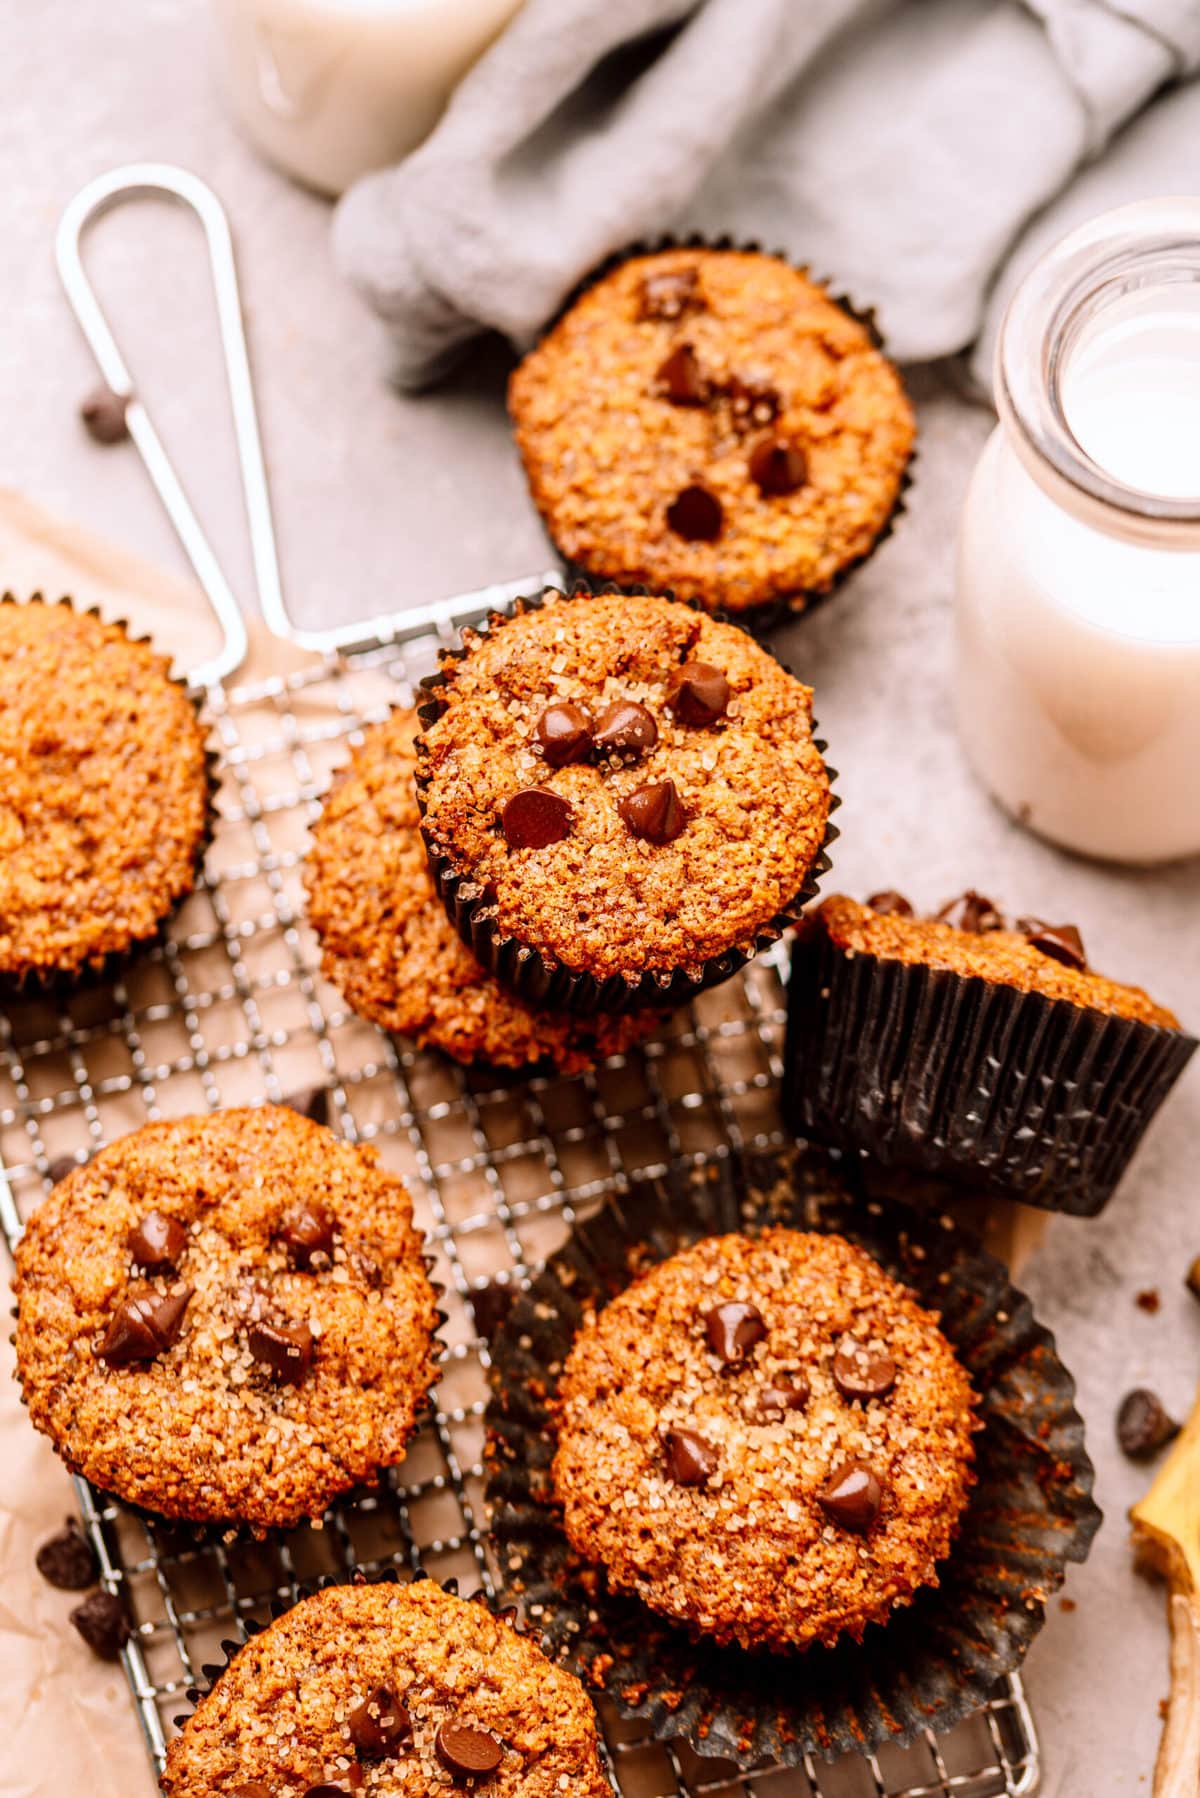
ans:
x=387 y=944
x=766 y=1438
x=966 y=1045
x=389 y=1689
x=621 y=798
x=712 y=422
x=104 y=791
x=226 y=1318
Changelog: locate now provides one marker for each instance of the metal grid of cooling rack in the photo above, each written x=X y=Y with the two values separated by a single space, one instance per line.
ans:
x=231 y=1009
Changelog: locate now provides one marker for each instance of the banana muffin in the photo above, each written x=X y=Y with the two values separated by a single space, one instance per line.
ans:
x=388 y=946
x=104 y=791
x=622 y=797
x=766 y=1438
x=226 y=1318
x=389 y=1689
x=712 y=421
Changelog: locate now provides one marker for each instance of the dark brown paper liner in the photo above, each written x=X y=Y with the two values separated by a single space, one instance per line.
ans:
x=541 y=980
x=957 y=1076
x=768 y=613
x=103 y=970
x=938 y=1659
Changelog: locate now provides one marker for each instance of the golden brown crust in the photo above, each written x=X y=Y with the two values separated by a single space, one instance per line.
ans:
x=1003 y=956
x=104 y=792
x=202 y=1431
x=605 y=453
x=277 y=1715
x=751 y=1556
x=753 y=786
x=387 y=944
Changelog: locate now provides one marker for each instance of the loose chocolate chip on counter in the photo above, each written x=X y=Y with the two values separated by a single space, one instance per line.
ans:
x=535 y=817
x=690 y=1460
x=103 y=414
x=680 y=378
x=102 y=1623
x=565 y=734
x=890 y=905
x=698 y=694
x=670 y=295
x=625 y=728
x=1149 y=1300
x=158 y=1242
x=1062 y=942
x=466 y=1752
x=311 y=1102
x=1143 y=1425
x=788 y=1394
x=379 y=1724
x=862 y=1372
x=732 y=1330
x=144 y=1325
x=852 y=1496
x=306 y=1232
x=972 y=913
x=777 y=466
x=696 y=514
x=66 y=1560
x=653 y=813
x=285 y=1350
x=752 y=407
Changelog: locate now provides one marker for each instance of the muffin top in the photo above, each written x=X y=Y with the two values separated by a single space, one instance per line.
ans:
x=104 y=792
x=389 y=1689
x=767 y=1438
x=713 y=422
x=387 y=944
x=970 y=936
x=226 y=1318
x=632 y=785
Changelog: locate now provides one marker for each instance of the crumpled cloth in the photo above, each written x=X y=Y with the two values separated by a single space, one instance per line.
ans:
x=900 y=148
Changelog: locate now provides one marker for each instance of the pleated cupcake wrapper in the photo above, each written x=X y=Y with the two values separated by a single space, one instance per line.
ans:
x=770 y=612
x=103 y=970
x=956 y=1076
x=938 y=1659
x=540 y=979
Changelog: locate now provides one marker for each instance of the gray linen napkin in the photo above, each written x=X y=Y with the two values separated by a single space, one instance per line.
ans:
x=899 y=147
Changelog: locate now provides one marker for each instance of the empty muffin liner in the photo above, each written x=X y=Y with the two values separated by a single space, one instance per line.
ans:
x=954 y=1075
x=543 y=980
x=103 y=969
x=770 y=612
x=937 y=1659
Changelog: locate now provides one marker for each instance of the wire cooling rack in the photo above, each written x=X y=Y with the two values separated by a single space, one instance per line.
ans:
x=231 y=1009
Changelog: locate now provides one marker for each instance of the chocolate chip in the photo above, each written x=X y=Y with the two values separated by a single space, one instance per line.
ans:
x=852 y=1496
x=972 y=913
x=1148 y=1300
x=103 y=413
x=777 y=466
x=466 y=1752
x=311 y=1102
x=790 y=1393
x=325 y=1790
x=144 y=1325
x=1143 y=1425
x=670 y=294
x=535 y=817
x=66 y=1559
x=890 y=905
x=862 y=1372
x=379 y=1724
x=102 y=1623
x=690 y=1460
x=565 y=734
x=696 y=514
x=653 y=813
x=158 y=1242
x=732 y=1330
x=1061 y=942
x=306 y=1232
x=285 y=1350
x=625 y=728
x=491 y=1304
x=680 y=378
x=698 y=694
x=752 y=407
x=60 y=1167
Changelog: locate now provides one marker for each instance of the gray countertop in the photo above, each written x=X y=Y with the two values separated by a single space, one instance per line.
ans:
x=383 y=501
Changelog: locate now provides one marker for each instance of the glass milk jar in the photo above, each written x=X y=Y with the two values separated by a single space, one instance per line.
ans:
x=1078 y=591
